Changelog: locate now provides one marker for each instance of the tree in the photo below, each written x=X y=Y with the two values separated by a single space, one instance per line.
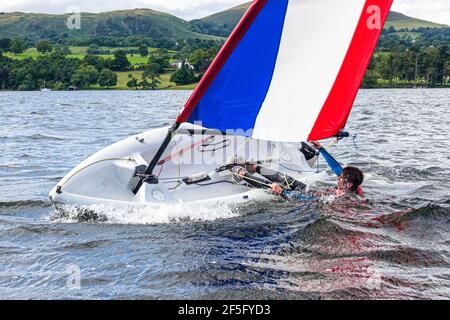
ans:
x=44 y=46
x=85 y=76
x=144 y=84
x=133 y=83
x=152 y=69
x=201 y=59
x=160 y=58
x=120 y=61
x=428 y=67
x=370 y=79
x=18 y=45
x=183 y=76
x=443 y=57
x=5 y=45
x=64 y=50
x=94 y=49
x=98 y=62
x=143 y=51
x=151 y=72
x=447 y=72
x=5 y=69
x=107 y=78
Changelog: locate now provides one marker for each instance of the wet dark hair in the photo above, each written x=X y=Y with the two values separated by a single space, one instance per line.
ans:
x=354 y=176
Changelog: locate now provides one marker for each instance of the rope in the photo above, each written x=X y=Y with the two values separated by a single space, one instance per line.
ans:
x=354 y=137
x=182 y=151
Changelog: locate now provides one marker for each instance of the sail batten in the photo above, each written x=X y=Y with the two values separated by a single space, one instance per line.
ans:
x=291 y=69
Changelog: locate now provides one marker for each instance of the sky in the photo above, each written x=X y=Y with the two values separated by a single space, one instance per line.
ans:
x=432 y=10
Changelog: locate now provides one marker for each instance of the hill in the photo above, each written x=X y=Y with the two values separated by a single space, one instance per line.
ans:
x=222 y=23
x=400 y=21
x=144 y=23
x=124 y=23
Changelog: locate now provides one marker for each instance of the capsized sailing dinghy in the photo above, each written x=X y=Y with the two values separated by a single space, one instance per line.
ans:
x=289 y=72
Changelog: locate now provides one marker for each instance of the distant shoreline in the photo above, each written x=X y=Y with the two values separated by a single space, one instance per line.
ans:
x=191 y=89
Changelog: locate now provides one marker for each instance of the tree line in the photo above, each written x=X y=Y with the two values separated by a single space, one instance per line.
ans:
x=54 y=69
x=425 y=67
x=398 y=61
x=410 y=57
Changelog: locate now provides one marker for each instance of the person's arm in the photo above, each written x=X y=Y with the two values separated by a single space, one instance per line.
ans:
x=290 y=194
x=280 y=178
x=252 y=180
x=332 y=162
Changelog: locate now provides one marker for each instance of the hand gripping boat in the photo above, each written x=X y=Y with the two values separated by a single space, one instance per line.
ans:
x=289 y=72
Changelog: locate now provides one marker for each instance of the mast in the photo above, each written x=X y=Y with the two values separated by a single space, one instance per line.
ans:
x=149 y=171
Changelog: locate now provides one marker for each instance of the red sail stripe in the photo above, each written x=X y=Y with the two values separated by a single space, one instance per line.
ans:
x=336 y=110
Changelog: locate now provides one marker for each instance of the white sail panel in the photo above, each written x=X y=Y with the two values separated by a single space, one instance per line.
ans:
x=315 y=40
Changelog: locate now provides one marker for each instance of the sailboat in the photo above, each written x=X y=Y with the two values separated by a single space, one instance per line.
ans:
x=44 y=88
x=288 y=73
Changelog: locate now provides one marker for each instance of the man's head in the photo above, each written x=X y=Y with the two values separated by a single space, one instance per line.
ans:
x=351 y=179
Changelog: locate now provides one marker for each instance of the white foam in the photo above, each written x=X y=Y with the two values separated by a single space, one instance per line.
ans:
x=165 y=213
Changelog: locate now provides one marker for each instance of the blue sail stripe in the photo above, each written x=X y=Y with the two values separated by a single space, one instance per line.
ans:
x=237 y=93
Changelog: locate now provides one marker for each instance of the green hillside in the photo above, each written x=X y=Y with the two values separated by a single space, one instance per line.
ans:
x=222 y=23
x=138 y=22
x=143 y=23
x=230 y=16
x=401 y=21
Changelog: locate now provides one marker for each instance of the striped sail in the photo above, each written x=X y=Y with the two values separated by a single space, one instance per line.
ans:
x=291 y=69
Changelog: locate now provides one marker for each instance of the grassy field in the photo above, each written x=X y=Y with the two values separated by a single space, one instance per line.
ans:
x=81 y=52
x=29 y=53
x=123 y=78
x=412 y=35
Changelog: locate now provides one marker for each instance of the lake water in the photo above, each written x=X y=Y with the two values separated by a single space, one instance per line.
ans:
x=396 y=246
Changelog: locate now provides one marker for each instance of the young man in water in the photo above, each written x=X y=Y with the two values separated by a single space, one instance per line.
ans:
x=350 y=178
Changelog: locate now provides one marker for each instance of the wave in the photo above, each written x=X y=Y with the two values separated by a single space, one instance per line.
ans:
x=324 y=227
x=38 y=229
x=431 y=211
x=407 y=173
x=330 y=238
x=408 y=256
x=9 y=165
x=39 y=136
x=12 y=205
x=36 y=136
x=87 y=245
x=166 y=213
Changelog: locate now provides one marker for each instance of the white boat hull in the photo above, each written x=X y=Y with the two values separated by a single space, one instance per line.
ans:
x=107 y=177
